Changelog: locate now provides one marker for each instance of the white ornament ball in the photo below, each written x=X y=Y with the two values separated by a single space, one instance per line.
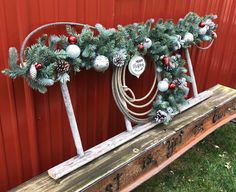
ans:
x=101 y=63
x=147 y=43
x=163 y=86
x=188 y=37
x=203 y=30
x=33 y=71
x=209 y=22
x=73 y=51
x=159 y=69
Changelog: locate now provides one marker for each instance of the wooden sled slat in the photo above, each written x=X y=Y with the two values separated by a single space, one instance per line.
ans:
x=110 y=144
x=127 y=166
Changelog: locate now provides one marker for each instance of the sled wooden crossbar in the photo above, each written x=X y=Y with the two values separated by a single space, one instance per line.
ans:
x=127 y=166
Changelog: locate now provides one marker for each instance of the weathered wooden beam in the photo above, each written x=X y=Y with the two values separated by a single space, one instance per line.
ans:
x=110 y=144
x=127 y=166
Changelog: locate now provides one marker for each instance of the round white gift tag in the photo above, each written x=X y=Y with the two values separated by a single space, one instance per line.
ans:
x=137 y=65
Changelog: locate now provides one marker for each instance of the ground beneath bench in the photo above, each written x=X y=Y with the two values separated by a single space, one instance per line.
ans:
x=209 y=167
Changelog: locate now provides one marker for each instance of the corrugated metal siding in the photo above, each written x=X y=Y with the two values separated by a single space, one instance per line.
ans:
x=34 y=130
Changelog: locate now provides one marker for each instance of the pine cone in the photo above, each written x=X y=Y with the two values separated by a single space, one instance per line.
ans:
x=161 y=116
x=62 y=66
x=118 y=61
x=119 y=58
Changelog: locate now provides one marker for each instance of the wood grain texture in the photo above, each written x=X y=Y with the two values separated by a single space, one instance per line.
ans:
x=132 y=163
x=110 y=144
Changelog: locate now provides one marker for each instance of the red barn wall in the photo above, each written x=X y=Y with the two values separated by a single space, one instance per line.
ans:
x=34 y=131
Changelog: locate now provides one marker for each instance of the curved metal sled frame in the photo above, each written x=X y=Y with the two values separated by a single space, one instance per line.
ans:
x=84 y=157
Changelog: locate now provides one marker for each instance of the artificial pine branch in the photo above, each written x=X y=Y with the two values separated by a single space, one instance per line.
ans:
x=166 y=38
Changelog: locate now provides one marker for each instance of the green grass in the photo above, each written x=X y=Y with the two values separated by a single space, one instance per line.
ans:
x=208 y=167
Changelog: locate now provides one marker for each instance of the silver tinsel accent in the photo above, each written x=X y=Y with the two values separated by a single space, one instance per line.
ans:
x=119 y=58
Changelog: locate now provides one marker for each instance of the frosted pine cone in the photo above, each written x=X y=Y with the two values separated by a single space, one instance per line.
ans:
x=33 y=71
x=119 y=58
x=161 y=116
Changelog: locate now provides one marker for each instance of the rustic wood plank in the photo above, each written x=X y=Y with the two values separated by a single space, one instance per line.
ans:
x=110 y=144
x=188 y=146
x=127 y=166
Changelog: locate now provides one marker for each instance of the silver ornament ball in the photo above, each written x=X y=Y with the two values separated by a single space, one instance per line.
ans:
x=188 y=37
x=163 y=86
x=73 y=51
x=159 y=69
x=202 y=31
x=101 y=63
x=147 y=43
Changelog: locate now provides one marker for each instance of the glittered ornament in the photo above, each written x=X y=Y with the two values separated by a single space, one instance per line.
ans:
x=188 y=37
x=101 y=63
x=73 y=51
x=166 y=60
x=38 y=66
x=163 y=86
x=33 y=71
x=172 y=86
x=62 y=66
x=141 y=46
x=147 y=43
x=161 y=116
x=72 y=39
x=202 y=24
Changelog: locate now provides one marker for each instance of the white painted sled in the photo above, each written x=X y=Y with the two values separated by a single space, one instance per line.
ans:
x=84 y=157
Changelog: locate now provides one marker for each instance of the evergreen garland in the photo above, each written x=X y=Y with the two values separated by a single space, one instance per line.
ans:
x=47 y=61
